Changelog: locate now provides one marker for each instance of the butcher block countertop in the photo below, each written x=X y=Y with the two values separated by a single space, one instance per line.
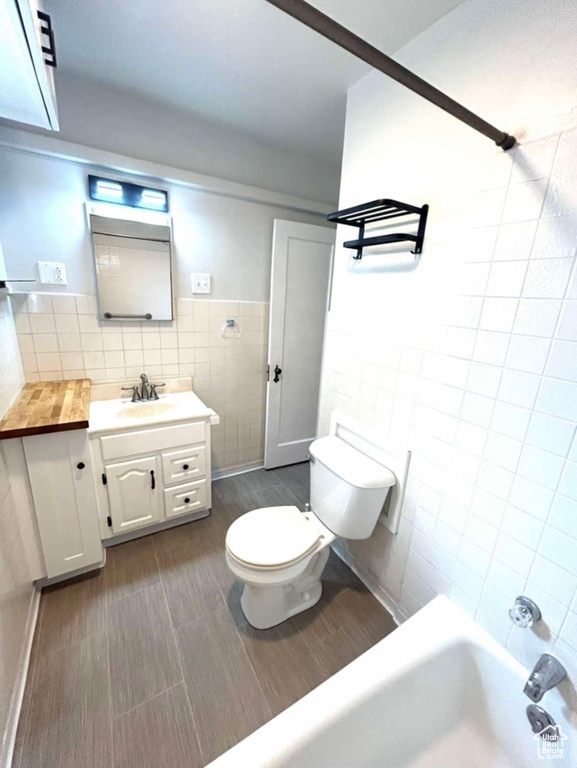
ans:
x=48 y=406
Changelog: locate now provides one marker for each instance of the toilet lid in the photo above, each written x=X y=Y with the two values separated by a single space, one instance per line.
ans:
x=272 y=536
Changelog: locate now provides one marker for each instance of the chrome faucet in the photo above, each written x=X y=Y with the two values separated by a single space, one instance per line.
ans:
x=547 y=673
x=146 y=391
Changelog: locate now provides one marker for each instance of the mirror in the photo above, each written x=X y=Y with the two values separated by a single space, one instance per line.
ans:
x=133 y=269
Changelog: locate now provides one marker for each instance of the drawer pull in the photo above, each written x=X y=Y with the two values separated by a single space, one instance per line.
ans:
x=152 y=480
x=80 y=465
x=187 y=500
x=185 y=466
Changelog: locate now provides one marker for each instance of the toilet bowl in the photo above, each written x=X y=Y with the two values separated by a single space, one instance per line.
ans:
x=279 y=553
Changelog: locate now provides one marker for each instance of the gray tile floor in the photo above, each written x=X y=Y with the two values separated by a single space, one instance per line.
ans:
x=151 y=663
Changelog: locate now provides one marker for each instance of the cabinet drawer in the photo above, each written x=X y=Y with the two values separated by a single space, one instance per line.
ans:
x=182 y=499
x=183 y=465
x=148 y=440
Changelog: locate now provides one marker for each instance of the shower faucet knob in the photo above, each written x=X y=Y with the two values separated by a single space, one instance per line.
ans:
x=525 y=612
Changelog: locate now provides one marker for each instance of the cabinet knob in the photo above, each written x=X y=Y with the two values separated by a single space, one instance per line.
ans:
x=80 y=465
x=187 y=500
x=185 y=466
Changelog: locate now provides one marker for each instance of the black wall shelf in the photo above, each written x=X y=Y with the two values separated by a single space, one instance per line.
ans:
x=381 y=210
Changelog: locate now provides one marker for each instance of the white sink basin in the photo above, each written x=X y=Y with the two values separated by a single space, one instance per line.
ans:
x=118 y=413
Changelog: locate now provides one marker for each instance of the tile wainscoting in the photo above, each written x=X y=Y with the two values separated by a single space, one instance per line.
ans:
x=60 y=338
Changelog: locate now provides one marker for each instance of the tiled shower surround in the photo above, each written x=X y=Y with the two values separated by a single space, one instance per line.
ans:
x=61 y=338
x=470 y=361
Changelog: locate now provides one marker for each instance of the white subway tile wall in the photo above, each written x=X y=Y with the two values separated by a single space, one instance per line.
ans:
x=61 y=338
x=473 y=366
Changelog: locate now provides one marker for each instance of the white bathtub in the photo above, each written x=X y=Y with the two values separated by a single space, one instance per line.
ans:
x=438 y=692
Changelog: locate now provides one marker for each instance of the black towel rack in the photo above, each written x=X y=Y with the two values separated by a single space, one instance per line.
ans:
x=380 y=210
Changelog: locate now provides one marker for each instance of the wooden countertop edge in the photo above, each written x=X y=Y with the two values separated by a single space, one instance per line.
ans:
x=42 y=429
x=49 y=422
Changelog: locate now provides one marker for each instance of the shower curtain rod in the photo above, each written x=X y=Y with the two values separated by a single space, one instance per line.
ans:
x=346 y=39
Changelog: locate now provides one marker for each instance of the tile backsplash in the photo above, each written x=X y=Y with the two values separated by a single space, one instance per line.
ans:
x=60 y=337
x=470 y=360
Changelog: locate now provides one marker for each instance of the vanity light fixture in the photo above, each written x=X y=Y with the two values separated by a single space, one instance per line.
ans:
x=152 y=198
x=128 y=194
x=109 y=190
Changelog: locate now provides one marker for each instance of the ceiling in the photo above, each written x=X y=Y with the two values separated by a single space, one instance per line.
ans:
x=242 y=63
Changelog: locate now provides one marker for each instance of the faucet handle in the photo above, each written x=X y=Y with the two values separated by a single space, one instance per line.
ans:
x=153 y=392
x=525 y=612
x=135 y=392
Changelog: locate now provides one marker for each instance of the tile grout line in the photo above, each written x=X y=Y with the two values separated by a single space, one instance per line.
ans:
x=142 y=703
x=108 y=671
x=177 y=649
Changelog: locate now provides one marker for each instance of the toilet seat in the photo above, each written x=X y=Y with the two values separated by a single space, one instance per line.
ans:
x=273 y=538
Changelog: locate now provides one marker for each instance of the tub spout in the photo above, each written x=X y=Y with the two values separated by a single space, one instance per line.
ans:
x=547 y=673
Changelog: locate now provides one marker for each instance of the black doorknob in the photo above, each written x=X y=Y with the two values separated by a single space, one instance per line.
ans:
x=187 y=500
x=80 y=465
x=185 y=466
x=277 y=373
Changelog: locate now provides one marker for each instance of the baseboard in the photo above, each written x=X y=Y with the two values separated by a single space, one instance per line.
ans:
x=369 y=581
x=220 y=473
x=46 y=581
x=9 y=739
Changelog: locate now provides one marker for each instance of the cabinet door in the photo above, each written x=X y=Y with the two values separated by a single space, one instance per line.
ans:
x=135 y=493
x=59 y=468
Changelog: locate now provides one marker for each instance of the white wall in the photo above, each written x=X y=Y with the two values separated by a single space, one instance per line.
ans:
x=16 y=587
x=122 y=121
x=468 y=354
x=42 y=217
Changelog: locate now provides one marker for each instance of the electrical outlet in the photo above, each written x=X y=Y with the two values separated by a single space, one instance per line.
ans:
x=201 y=283
x=52 y=273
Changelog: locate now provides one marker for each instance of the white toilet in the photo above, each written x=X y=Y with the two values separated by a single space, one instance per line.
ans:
x=280 y=553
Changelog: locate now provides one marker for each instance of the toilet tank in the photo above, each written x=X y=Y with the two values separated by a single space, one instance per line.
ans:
x=348 y=489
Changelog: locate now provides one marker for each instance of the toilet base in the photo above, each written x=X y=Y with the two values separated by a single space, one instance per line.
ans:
x=267 y=606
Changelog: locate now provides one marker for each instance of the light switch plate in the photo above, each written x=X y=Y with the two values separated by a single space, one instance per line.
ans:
x=201 y=283
x=52 y=273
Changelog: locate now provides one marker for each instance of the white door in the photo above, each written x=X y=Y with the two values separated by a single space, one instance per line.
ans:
x=301 y=267
x=135 y=493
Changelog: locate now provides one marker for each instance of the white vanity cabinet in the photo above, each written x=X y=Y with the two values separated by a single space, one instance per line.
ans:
x=152 y=475
x=62 y=482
